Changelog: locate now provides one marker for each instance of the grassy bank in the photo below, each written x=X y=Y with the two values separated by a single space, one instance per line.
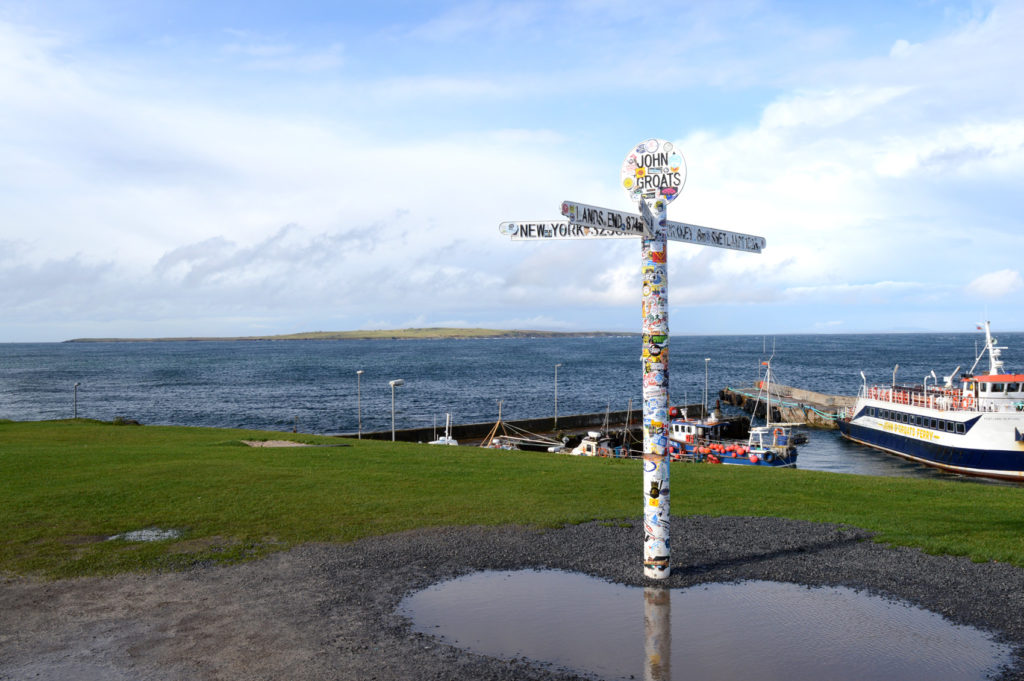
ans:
x=69 y=485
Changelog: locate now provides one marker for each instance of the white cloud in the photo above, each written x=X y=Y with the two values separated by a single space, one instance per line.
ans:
x=996 y=284
x=829 y=108
x=870 y=177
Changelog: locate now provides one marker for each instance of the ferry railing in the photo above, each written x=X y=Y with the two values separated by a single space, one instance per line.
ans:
x=942 y=399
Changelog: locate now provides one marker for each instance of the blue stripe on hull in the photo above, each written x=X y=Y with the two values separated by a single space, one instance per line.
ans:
x=777 y=461
x=729 y=461
x=985 y=462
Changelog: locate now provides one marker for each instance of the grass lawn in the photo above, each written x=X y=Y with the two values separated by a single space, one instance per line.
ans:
x=66 y=486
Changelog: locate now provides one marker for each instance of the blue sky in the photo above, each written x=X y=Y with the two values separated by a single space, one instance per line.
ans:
x=240 y=168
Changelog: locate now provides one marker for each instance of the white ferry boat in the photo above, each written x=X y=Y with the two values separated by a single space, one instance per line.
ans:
x=975 y=429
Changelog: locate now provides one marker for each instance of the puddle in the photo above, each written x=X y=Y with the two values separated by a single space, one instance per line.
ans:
x=151 y=534
x=757 y=630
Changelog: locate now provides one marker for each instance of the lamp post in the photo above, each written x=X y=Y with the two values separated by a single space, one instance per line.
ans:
x=76 y=398
x=359 y=401
x=555 y=427
x=394 y=384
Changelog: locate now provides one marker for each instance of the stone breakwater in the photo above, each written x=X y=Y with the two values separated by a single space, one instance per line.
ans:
x=789 y=404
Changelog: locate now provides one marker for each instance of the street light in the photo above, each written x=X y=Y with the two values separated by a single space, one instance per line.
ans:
x=76 y=398
x=555 y=427
x=394 y=384
x=359 y=401
x=706 y=360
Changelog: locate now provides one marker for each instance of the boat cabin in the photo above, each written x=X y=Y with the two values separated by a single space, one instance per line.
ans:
x=994 y=392
x=691 y=432
x=597 y=444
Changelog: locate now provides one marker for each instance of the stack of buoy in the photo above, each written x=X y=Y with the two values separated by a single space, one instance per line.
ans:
x=733 y=450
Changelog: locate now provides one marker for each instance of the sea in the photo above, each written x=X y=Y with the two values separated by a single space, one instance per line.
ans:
x=313 y=386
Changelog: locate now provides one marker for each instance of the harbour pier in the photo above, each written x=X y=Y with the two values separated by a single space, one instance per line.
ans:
x=572 y=426
x=789 y=404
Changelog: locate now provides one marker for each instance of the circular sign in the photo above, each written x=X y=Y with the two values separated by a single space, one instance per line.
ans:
x=654 y=171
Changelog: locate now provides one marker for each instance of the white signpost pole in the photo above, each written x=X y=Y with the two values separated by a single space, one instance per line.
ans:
x=653 y=174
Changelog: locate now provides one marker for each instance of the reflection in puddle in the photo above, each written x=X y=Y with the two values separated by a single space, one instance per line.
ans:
x=762 y=630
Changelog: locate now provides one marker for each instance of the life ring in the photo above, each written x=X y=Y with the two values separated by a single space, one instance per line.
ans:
x=967 y=402
x=778 y=431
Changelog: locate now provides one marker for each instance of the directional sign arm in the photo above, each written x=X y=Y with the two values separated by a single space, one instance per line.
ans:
x=558 y=229
x=718 y=238
x=603 y=218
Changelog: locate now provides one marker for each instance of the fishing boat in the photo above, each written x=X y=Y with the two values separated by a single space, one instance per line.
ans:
x=766 y=445
x=597 y=443
x=976 y=428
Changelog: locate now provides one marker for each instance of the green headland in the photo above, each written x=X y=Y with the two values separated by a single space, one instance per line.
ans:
x=68 y=486
x=432 y=332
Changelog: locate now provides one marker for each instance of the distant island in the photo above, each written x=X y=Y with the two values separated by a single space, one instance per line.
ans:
x=396 y=334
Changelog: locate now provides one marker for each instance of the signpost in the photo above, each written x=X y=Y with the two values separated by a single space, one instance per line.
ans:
x=653 y=175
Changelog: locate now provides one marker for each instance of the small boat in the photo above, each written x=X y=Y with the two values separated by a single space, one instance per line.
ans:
x=701 y=439
x=504 y=435
x=596 y=443
x=974 y=429
x=447 y=438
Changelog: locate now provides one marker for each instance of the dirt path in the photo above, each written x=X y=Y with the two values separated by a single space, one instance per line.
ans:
x=328 y=612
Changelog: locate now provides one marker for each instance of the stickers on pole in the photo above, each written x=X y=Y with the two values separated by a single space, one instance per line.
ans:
x=653 y=172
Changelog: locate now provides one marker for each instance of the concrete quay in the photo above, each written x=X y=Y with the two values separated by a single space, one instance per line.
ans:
x=790 y=405
x=570 y=425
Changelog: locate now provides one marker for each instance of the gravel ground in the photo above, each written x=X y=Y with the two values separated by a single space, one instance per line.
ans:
x=328 y=611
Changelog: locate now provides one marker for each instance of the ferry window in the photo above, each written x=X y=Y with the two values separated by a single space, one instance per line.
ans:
x=935 y=423
x=983 y=387
x=960 y=428
x=949 y=426
x=998 y=387
x=903 y=418
x=1013 y=388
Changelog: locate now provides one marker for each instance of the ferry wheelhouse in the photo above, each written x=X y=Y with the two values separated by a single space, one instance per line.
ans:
x=974 y=429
